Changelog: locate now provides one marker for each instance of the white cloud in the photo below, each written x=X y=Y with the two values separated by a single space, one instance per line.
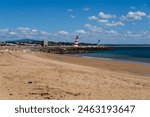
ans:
x=92 y=18
x=133 y=16
x=129 y=32
x=81 y=32
x=45 y=33
x=106 y=16
x=132 y=35
x=148 y=16
x=63 y=32
x=4 y=30
x=86 y=9
x=91 y=34
x=13 y=33
x=93 y=28
x=103 y=20
x=144 y=5
x=132 y=7
x=70 y=10
x=23 y=32
x=34 y=30
x=23 y=28
x=72 y=16
x=111 y=32
x=113 y=24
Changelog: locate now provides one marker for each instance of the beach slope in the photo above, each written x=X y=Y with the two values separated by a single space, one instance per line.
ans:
x=47 y=76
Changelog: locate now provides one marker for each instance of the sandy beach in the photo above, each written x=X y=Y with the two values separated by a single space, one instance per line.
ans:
x=48 y=76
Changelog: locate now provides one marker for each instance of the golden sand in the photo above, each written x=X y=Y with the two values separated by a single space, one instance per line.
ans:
x=47 y=76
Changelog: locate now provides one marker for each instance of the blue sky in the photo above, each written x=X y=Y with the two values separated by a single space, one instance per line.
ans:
x=112 y=21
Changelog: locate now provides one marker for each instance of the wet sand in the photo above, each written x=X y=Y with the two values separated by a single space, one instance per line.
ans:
x=49 y=76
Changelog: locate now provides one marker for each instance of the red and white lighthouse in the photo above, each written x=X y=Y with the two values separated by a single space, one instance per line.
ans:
x=76 y=41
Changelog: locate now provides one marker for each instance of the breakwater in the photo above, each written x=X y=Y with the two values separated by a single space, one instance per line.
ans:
x=55 y=49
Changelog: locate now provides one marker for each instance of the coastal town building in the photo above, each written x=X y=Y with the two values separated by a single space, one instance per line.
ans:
x=45 y=43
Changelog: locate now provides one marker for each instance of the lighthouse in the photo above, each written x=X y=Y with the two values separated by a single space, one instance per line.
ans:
x=76 y=41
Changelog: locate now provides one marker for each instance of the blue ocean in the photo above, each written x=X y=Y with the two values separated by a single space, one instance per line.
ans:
x=131 y=54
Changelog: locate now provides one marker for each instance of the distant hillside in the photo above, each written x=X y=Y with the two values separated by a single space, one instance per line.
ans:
x=23 y=41
x=50 y=43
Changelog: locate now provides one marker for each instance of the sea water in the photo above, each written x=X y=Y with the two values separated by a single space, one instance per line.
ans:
x=130 y=54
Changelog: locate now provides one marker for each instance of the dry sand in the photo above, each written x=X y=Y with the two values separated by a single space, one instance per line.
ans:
x=47 y=76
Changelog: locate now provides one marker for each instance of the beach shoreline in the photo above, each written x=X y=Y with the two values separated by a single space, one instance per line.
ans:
x=117 y=60
x=45 y=76
x=139 y=68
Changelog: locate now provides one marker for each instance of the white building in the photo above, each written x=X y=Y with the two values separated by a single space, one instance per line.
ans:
x=45 y=43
